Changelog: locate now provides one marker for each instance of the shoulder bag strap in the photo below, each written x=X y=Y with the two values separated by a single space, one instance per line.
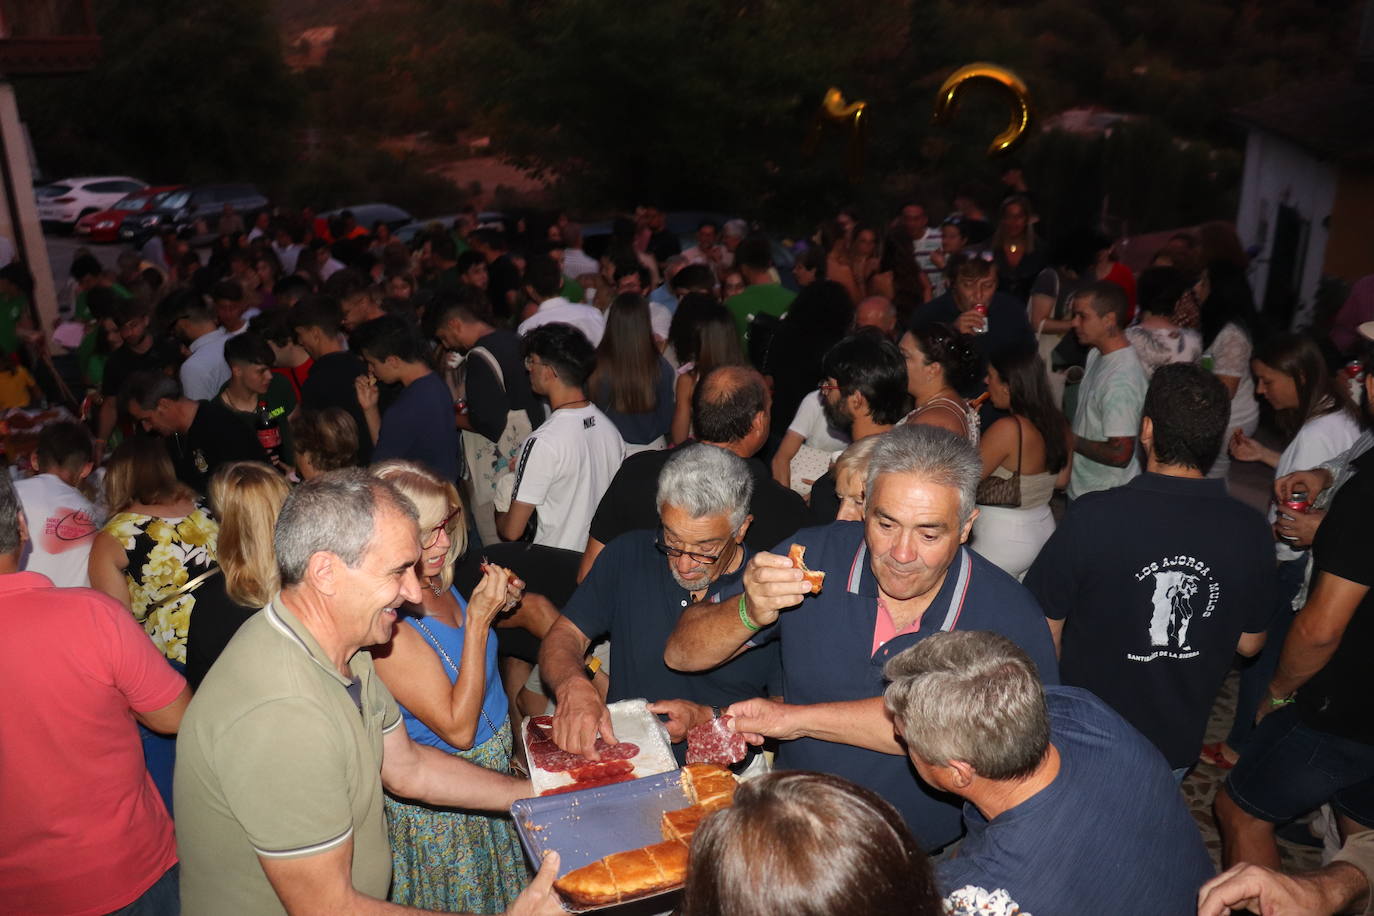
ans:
x=186 y=589
x=490 y=360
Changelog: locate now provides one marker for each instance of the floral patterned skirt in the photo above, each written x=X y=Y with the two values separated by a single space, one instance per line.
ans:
x=454 y=861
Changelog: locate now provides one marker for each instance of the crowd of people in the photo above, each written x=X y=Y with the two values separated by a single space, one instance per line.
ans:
x=340 y=510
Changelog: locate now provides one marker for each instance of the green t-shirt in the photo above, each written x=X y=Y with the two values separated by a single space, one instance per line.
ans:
x=762 y=298
x=572 y=290
x=92 y=363
x=11 y=310
x=276 y=759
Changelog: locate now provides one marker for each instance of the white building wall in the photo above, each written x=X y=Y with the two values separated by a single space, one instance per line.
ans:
x=1279 y=172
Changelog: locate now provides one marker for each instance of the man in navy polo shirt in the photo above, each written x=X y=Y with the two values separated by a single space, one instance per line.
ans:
x=900 y=576
x=633 y=596
x=1069 y=809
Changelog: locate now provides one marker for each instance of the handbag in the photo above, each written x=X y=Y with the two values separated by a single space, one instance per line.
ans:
x=485 y=461
x=1003 y=491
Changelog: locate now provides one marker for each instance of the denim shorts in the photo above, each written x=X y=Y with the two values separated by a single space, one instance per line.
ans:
x=1289 y=769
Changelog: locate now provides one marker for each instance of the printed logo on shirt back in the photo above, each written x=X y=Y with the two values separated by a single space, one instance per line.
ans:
x=1182 y=592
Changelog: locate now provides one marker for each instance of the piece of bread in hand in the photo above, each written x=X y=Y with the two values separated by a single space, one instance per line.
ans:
x=812 y=577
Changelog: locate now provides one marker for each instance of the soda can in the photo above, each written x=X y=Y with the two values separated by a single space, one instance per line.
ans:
x=982 y=310
x=1297 y=501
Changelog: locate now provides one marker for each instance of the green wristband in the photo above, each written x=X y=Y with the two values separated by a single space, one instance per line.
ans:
x=1277 y=702
x=744 y=616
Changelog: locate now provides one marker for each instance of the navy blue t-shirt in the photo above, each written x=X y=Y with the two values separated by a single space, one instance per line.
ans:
x=1155 y=581
x=827 y=657
x=1111 y=834
x=631 y=595
x=1008 y=330
x=420 y=426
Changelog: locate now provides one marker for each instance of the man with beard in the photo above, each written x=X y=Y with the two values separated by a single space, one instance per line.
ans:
x=898 y=577
x=635 y=598
x=863 y=392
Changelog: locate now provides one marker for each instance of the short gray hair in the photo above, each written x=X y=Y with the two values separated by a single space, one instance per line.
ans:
x=704 y=480
x=334 y=513
x=938 y=455
x=9 y=515
x=972 y=696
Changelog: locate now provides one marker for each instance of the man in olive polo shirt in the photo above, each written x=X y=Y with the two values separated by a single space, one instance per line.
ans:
x=285 y=750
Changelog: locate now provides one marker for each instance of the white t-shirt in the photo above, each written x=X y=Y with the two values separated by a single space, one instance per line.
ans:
x=924 y=247
x=204 y=372
x=62 y=525
x=576 y=263
x=660 y=320
x=1318 y=441
x=810 y=424
x=586 y=318
x=565 y=467
x=1230 y=352
x=1109 y=403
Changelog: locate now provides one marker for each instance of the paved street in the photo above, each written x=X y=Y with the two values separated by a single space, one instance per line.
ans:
x=62 y=251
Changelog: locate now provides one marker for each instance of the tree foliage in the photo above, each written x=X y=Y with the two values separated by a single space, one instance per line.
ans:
x=185 y=90
x=692 y=103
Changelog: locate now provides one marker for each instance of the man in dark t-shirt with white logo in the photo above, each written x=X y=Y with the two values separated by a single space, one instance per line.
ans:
x=1151 y=587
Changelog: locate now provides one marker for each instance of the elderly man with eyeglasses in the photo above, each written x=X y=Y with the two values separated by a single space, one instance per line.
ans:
x=639 y=586
x=891 y=581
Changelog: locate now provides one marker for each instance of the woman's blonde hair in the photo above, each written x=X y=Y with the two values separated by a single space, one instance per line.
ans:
x=247 y=496
x=435 y=499
x=854 y=459
x=140 y=471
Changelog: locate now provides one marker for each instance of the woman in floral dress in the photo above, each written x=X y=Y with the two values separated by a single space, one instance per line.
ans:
x=157 y=548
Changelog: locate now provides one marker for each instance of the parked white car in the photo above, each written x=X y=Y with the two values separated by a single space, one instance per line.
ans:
x=62 y=203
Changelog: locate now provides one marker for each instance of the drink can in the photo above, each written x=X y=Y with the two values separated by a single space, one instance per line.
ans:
x=982 y=310
x=1297 y=501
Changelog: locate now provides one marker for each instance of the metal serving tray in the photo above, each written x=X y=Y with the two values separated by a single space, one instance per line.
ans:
x=591 y=824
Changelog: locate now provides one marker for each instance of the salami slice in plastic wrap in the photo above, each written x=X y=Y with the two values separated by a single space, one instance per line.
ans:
x=714 y=742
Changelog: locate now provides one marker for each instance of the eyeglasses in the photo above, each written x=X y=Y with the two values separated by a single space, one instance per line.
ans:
x=830 y=388
x=440 y=528
x=532 y=361
x=673 y=553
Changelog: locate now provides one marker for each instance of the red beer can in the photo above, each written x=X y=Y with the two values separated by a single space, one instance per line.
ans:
x=982 y=310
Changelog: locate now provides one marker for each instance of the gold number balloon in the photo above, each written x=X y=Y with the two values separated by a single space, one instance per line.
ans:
x=834 y=110
x=947 y=102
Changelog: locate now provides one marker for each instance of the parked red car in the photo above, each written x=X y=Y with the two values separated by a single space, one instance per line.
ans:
x=104 y=226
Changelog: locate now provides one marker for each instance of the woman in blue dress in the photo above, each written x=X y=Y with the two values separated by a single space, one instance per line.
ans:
x=441 y=667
